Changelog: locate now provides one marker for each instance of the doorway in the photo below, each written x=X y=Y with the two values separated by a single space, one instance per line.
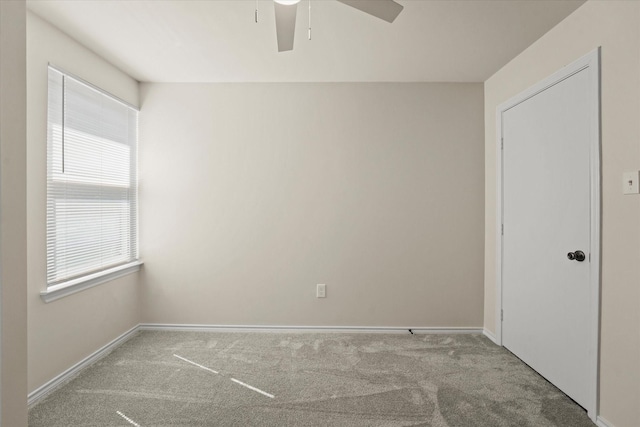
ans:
x=549 y=228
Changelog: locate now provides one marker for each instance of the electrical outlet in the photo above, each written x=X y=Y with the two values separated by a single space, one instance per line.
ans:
x=321 y=291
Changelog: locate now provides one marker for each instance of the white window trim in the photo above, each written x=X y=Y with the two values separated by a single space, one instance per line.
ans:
x=71 y=287
x=92 y=86
x=78 y=284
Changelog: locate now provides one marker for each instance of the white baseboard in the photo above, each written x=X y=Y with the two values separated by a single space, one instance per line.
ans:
x=39 y=393
x=601 y=422
x=447 y=331
x=317 y=329
x=489 y=335
x=49 y=386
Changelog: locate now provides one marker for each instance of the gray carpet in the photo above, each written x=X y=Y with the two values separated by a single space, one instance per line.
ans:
x=307 y=379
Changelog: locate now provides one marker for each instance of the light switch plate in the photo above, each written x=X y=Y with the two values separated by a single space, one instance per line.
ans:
x=630 y=182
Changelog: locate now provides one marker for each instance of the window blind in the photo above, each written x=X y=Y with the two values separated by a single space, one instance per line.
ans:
x=91 y=180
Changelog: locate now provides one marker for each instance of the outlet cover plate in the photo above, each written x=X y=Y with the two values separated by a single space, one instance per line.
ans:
x=321 y=291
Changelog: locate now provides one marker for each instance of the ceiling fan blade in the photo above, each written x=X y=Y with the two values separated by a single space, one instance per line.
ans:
x=285 y=25
x=387 y=10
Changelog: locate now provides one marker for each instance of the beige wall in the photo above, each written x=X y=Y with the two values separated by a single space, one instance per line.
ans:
x=13 y=231
x=251 y=194
x=65 y=331
x=616 y=27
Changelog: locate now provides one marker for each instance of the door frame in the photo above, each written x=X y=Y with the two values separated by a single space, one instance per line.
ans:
x=590 y=61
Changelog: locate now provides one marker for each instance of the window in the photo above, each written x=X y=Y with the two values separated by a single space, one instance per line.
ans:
x=91 y=182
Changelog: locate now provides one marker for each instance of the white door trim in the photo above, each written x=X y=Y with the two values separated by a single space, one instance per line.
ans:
x=590 y=61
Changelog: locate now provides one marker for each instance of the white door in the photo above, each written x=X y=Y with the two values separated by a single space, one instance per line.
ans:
x=547 y=217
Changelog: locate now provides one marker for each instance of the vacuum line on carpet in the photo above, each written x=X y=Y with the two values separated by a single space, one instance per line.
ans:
x=129 y=420
x=196 y=364
x=252 y=388
x=232 y=379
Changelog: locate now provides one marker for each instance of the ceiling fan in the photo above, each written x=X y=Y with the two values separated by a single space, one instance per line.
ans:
x=286 y=11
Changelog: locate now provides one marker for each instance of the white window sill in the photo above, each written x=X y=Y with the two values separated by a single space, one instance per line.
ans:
x=70 y=287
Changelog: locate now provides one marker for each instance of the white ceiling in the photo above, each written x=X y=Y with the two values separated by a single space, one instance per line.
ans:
x=218 y=40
